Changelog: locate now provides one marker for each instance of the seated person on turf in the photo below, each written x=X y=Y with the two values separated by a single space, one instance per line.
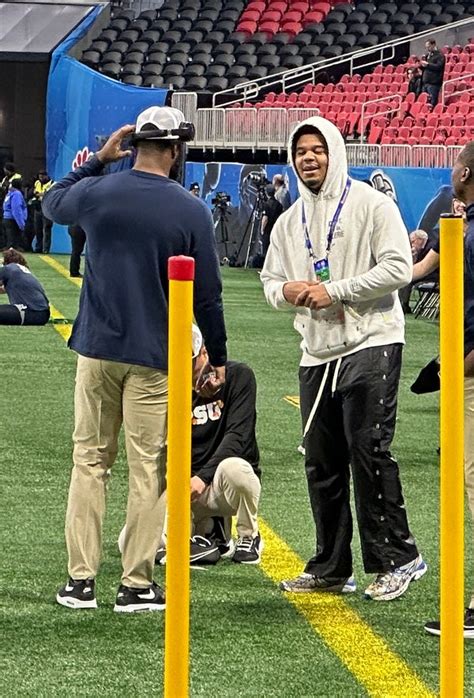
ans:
x=28 y=303
x=224 y=465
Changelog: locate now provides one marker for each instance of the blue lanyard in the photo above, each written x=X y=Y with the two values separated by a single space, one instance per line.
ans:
x=332 y=224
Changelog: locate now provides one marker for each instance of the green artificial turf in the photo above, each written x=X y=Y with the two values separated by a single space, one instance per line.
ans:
x=247 y=640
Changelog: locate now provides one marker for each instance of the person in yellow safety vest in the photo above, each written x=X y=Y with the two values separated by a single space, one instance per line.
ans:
x=9 y=172
x=42 y=225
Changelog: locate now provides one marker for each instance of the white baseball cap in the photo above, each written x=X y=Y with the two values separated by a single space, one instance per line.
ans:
x=197 y=341
x=163 y=118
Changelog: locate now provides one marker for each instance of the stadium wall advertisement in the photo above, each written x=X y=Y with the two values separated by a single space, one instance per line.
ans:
x=422 y=194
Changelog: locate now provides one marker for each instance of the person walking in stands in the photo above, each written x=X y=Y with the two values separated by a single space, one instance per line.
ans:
x=433 y=63
x=134 y=220
x=43 y=225
x=338 y=255
x=28 y=304
x=14 y=214
x=78 y=242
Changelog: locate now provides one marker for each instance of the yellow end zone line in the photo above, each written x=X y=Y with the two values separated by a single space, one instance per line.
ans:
x=64 y=329
x=61 y=269
x=367 y=656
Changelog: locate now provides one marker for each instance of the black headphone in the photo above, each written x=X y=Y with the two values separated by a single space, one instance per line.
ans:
x=184 y=133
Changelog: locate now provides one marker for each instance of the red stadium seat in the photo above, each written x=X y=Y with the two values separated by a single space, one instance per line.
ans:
x=247 y=27
x=291 y=16
x=313 y=16
x=269 y=27
x=291 y=27
x=250 y=16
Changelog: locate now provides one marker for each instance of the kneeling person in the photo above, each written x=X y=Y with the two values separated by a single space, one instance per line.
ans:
x=225 y=471
x=225 y=459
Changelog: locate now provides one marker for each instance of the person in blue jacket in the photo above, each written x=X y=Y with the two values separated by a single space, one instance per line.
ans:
x=134 y=221
x=14 y=214
x=28 y=302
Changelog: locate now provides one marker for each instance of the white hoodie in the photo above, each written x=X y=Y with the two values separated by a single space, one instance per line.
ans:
x=369 y=259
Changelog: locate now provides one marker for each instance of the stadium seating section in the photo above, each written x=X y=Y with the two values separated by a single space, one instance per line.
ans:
x=214 y=45
x=378 y=106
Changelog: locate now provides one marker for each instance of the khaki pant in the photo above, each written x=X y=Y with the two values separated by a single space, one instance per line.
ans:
x=234 y=491
x=469 y=446
x=109 y=393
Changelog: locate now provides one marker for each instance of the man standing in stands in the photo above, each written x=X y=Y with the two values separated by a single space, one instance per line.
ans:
x=134 y=221
x=282 y=195
x=339 y=255
x=433 y=71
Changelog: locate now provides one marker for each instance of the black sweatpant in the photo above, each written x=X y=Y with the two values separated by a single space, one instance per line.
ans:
x=11 y=315
x=13 y=234
x=78 y=241
x=353 y=428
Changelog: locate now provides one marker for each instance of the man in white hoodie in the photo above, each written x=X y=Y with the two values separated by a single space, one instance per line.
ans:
x=338 y=255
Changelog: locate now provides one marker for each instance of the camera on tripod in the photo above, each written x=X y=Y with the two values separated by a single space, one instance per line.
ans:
x=259 y=179
x=221 y=200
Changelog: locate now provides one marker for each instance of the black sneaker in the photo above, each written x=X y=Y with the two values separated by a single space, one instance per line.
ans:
x=77 y=593
x=131 y=600
x=433 y=627
x=248 y=550
x=221 y=536
x=202 y=552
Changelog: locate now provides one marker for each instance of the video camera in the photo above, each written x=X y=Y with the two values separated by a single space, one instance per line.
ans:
x=259 y=179
x=222 y=199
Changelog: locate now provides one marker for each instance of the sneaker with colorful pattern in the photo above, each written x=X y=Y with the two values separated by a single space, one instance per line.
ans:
x=391 y=585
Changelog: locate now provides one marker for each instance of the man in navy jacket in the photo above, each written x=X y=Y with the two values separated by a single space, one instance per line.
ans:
x=134 y=221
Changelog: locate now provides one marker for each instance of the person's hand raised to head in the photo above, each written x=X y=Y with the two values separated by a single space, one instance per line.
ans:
x=112 y=151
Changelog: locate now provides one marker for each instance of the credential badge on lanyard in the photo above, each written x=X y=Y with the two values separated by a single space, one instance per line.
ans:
x=321 y=266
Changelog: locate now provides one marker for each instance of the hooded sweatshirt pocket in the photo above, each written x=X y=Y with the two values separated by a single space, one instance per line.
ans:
x=339 y=328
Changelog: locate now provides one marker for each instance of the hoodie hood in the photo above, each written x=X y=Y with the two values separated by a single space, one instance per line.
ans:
x=336 y=175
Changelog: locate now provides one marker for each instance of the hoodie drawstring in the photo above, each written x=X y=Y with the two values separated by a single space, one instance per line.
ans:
x=335 y=376
x=321 y=390
x=317 y=401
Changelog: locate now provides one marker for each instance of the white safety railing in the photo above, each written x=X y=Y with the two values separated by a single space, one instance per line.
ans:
x=428 y=156
x=298 y=114
x=393 y=102
x=187 y=103
x=395 y=155
x=241 y=128
x=210 y=128
x=363 y=155
x=452 y=152
x=459 y=81
x=269 y=129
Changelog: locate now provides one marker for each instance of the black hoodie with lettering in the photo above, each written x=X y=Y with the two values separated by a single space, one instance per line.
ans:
x=224 y=425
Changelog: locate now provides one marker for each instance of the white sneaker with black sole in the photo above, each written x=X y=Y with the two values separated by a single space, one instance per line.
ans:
x=248 y=550
x=77 y=594
x=201 y=552
x=133 y=600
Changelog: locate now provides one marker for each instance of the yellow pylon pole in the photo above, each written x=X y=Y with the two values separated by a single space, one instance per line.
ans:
x=452 y=456
x=181 y=276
